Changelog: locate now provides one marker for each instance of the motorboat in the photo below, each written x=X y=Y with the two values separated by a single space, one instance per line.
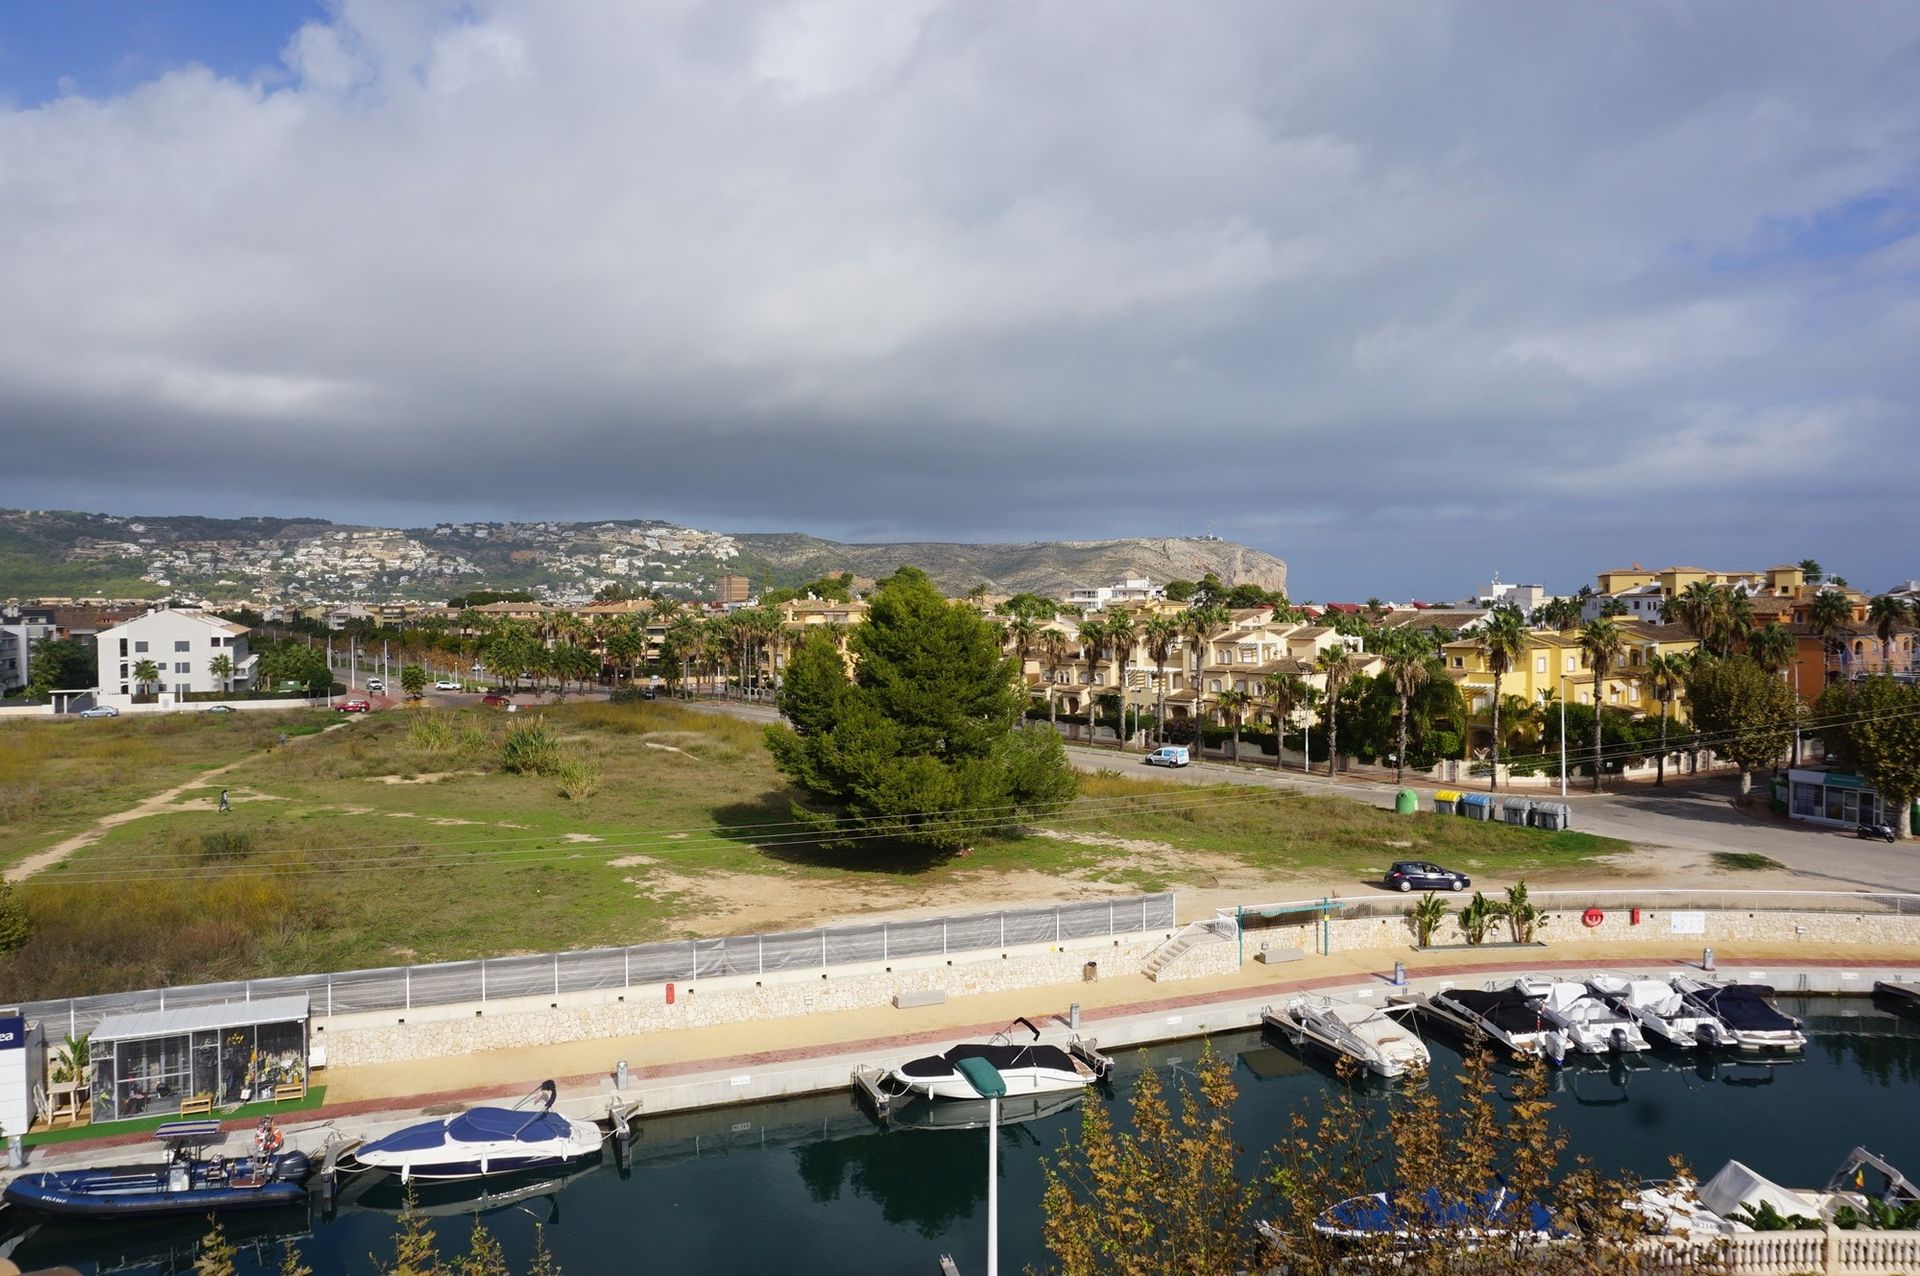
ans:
x=961 y=1114
x=480 y=1142
x=1509 y=1017
x=1662 y=1013
x=1030 y=1067
x=191 y=1181
x=1375 y=1038
x=1747 y=1012
x=1400 y=1219
x=1590 y=1024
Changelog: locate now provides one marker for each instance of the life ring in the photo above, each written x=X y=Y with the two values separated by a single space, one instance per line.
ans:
x=1592 y=917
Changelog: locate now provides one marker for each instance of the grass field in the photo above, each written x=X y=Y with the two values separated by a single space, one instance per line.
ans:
x=402 y=838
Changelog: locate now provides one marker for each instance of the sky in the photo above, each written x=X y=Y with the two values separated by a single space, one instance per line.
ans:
x=1406 y=293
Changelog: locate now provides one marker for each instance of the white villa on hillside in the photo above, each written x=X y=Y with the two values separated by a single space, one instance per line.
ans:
x=183 y=644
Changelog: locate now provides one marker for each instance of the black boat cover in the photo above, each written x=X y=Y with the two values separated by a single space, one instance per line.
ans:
x=1507 y=1009
x=1744 y=1007
x=1002 y=1058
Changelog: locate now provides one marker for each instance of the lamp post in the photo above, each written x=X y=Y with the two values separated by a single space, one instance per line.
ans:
x=1563 y=733
x=990 y=1085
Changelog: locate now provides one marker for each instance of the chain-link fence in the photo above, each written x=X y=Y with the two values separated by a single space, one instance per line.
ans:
x=551 y=974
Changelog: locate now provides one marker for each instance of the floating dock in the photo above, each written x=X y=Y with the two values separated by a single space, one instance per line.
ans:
x=1905 y=996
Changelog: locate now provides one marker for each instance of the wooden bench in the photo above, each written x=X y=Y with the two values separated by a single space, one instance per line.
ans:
x=289 y=1090
x=198 y=1105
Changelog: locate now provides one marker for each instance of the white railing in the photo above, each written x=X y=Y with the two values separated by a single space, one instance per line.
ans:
x=1385 y=904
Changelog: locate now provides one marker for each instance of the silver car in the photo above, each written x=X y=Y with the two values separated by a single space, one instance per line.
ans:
x=100 y=711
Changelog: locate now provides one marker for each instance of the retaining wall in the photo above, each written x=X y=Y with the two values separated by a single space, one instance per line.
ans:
x=1682 y=927
x=442 y=1031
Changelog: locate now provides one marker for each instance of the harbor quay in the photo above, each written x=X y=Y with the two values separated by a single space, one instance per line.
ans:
x=726 y=1058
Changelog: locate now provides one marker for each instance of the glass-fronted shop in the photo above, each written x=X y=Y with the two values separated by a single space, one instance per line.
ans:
x=1833 y=797
x=198 y=1058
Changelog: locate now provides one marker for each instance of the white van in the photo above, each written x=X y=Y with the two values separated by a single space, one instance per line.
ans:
x=1168 y=755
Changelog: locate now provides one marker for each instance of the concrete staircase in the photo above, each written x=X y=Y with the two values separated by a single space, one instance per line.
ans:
x=1189 y=937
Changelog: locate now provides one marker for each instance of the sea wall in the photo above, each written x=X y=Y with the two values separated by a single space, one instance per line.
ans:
x=443 y=1031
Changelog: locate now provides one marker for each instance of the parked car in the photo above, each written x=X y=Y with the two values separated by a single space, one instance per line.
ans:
x=100 y=711
x=495 y=699
x=1168 y=755
x=375 y=684
x=220 y=708
x=648 y=693
x=1418 y=875
x=446 y=684
x=356 y=706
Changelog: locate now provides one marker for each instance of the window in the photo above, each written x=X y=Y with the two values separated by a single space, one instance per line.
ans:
x=123 y=646
x=139 y=647
x=183 y=666
x=1539 y=664
x=183 y=644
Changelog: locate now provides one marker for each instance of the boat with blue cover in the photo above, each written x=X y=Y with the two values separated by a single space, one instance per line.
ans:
x=1751 y=1019
x=1431 y=1217
x=484 y=1141
x=189 y=1182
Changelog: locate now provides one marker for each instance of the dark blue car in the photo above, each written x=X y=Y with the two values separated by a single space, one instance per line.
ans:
x=1418 y=875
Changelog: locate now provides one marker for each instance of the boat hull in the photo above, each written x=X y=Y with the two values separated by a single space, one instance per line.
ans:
x=509 y=1141
x=143 y=1193
x=1018 y=1082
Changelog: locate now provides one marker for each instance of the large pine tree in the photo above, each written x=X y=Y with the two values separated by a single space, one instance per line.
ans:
x=923 y=743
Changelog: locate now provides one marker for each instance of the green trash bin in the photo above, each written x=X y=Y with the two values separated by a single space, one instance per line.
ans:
x=1406 y=802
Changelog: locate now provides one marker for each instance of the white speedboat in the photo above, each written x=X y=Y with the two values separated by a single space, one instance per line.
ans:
x=1027 y=1068
x=1376 y=1039
x=1663 y=1014
x=1590 y=1025
x=484 y=1141
x=1747 y=1012
x=1507 y=1016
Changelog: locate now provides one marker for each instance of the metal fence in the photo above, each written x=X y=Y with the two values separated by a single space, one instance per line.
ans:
x=551 y=974
x=1289 y=912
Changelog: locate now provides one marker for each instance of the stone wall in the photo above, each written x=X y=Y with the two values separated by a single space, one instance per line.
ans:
x=443 y=1031
x=1717 y=927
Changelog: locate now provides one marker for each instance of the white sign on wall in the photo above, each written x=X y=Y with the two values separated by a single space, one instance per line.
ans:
x=1687 y=923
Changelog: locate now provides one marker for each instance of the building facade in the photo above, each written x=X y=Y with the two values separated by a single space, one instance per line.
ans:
x=182 y=645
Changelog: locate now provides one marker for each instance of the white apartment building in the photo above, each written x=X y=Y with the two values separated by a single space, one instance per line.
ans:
x=1134 y=589
x=183 y=644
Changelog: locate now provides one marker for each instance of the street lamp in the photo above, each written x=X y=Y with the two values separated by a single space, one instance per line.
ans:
x=987 y=1081
x=1563 y=733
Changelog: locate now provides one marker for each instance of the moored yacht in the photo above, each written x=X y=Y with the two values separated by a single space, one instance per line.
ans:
x=1746 y=1011
x=484 y=1141
x=1377 y=1039
x=1507 y=1016
x=1590 y=1024
x=1031 y=1067
x=1663 y=1014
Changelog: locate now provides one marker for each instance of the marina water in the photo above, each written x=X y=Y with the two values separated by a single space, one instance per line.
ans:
x=815 y=1186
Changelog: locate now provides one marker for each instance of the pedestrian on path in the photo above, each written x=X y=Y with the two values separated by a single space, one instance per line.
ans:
x=225 y=805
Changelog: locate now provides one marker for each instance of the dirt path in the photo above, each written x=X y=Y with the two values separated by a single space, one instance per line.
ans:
x=158 y=804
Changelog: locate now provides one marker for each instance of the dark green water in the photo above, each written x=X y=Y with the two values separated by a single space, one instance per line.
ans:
x=812 y=1186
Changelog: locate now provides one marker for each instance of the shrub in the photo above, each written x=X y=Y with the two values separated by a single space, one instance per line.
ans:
x=16 y=927
x=530 y=749
x=431 y=734
x=225 y=846
x=578 y=778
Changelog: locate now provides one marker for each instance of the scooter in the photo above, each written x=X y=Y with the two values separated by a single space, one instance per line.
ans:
x=1870 y=831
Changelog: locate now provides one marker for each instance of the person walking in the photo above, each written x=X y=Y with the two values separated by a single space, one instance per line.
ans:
x=225 y=805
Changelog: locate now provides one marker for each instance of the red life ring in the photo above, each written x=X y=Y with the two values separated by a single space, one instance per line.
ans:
x=1592 y=917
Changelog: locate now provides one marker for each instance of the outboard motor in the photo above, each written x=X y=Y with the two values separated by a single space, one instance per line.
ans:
x=1556 y=1048
x=1706 y=1036
x=1619 y=1039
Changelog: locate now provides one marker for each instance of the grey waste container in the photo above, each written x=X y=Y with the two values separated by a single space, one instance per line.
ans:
x=1476 y=806
x=1551 y=816
x=1514 y=810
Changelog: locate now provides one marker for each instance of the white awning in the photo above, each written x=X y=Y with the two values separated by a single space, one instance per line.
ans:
x=227 y=1014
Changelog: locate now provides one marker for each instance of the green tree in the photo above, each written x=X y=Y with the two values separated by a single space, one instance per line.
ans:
x=146 y=673
x=1286 y=692
x=1055 y=647
x=1603 y=644
x=1197 y=623
x=1121 y=635
x=1745 y=713
x=221 y=667
x=1665 y=675
x=923 y=741
x=1831 y=618
x=413 y=681
x=1233 y=707
x=1874 y=725
x=1772 y=646
x=59 y=664
x=1503 y=640
x=1888 y=615
x=1406 y=657
x=1336 y=667
x=1161 y=633
x=1810 y=569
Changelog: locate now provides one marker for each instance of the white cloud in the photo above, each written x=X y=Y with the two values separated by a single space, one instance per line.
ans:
x=1094 y=276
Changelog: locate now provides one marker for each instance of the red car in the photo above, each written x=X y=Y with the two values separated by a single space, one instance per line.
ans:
x=356 y=706
x=495 y=699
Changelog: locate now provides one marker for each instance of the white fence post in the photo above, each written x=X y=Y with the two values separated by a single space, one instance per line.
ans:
x=1003 y=930
x=883 y=942
x=483 y=981
x=409 y=978
x=943 y=937
x=763 y=953
x=556 y=974
x=1109 y=917
x=823 y=948
x=329 y=996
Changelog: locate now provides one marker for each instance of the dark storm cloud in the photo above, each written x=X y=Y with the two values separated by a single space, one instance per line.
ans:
x=1404 y=294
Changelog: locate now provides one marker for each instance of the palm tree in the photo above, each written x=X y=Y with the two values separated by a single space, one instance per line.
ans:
x=1161 y=633
x=1286 y=692
x=1603 y=644
x=145 y=674
x=1093 y=648
x=1664 y=675
x=1196 y=623
x=221 y=667
x=681 y=647
x=1335 y=665
x=1810 y=569
x=1054 y=646
x=1697 y=608
x=1120 y=640
x=1233 y=706
x=1771 y=647
x=1405 y=658
x=1021 y=631
x=1503 y=640
x=1887 y=614
x=1831 y=617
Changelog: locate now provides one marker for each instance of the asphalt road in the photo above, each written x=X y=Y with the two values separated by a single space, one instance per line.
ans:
x=1693 y=814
